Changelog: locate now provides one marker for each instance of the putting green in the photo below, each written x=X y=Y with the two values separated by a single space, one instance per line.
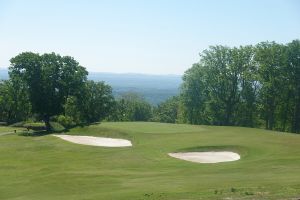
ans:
x=45 y=167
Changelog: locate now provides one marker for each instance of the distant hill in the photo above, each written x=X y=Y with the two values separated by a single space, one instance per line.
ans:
x=154 y=88
x=131 y=80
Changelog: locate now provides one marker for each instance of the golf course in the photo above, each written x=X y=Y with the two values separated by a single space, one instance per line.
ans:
x=44 y=167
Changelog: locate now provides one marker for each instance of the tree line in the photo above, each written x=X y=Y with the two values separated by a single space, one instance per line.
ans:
x=251 y=86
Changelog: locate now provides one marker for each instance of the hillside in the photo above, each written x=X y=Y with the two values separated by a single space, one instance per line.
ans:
x=154 y=88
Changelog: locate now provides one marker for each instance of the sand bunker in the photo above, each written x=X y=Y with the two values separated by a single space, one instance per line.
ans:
x=207 y=157
x=96 y=141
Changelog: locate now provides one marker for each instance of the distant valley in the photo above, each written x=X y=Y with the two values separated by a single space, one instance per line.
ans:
x=154 y=88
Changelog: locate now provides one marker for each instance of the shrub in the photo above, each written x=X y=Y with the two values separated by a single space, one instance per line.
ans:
x=65 y=121
x=36 y=126
x=57 y=127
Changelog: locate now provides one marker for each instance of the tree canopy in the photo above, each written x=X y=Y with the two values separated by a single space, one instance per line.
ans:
x=50 y=79
x=245 y=86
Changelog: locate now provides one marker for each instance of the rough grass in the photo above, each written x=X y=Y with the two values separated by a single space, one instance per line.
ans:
x=47 y=167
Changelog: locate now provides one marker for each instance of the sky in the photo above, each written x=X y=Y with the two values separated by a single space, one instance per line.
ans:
x=141 y=36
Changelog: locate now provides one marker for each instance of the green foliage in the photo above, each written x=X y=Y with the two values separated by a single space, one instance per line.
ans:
x=271 y=59
x=35 y=126
x=279 y=75
x=241 y=86
x=52 y=87
x=14 y=101
x=131 y=107
x=221 y=88
x=96 y=101
x=193 y=95
x=65 y=121
x=50 y=79
x=167 y=111
x=293 y=73
x=72 y=114
x=251 y=86
x=57 y=127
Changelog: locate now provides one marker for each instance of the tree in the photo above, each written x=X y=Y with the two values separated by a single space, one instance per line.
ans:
x=271 y=61
x=167 y=111
x=96 y=101
x=246 y=113
x=211 y=87
x=50 y=80
x=194 y=94
x=241 y=86
x=14 y=101
x=131 y=107
x=223 y=75
x=293 y=70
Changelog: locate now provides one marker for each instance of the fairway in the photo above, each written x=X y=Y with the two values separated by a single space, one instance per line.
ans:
x=47 y=167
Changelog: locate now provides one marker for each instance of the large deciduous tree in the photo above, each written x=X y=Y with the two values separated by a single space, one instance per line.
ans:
x=221 y=88
x=50 y=80
x=223 y=73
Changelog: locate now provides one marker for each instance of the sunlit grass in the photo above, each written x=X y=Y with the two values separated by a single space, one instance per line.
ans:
x=46 y=167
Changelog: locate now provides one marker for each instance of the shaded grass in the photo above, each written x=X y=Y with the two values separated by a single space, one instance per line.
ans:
x=49 y=168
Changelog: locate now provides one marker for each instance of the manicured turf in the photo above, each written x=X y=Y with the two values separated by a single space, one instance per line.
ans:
x=46 y=167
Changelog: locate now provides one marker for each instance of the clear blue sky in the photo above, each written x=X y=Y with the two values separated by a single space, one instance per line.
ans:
x=153 y=36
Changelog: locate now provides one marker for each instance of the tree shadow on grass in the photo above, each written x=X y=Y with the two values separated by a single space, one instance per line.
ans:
x=42 y=132
x=39 y=133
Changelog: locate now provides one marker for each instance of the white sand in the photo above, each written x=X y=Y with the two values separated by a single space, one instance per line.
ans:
x=96 y=141
x=207 y=157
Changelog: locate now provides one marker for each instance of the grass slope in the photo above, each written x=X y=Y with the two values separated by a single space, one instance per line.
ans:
x=45 y=167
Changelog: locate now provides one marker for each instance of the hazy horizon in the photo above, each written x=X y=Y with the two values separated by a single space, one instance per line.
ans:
x=121 y=73
x=141 y=37
x=154 y=88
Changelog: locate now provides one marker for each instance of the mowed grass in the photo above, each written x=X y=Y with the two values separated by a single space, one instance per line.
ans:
x=46 y=167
